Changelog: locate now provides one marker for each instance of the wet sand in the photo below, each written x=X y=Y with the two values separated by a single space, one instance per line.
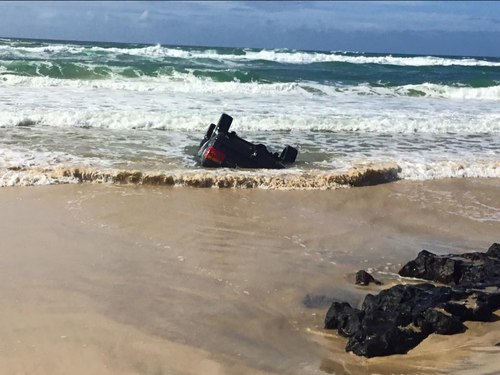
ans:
x=102 y=279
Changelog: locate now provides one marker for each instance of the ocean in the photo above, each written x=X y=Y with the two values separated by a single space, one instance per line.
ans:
x=112 y=108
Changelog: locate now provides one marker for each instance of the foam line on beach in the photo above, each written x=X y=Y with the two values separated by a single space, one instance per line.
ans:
x=362 y=176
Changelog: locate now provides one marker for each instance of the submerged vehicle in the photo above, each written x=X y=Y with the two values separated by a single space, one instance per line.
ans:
x=221 y=148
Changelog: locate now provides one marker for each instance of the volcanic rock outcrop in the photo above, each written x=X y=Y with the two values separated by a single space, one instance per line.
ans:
x=399 y=318
x=456 y=269
x=364 y=278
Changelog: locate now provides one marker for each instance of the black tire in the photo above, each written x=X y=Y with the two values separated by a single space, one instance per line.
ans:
x=289 y=154
x=210 y=131
x=224 y=123
x=208 y=134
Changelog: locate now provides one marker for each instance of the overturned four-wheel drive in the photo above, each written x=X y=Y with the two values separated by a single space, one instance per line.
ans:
x=221 y=148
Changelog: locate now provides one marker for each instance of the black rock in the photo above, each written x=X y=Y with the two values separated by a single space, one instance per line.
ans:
x=343 y=317
x=497 y=344
x=364 y=278
x=456 y=269
x=494 y=251
x=398 y=319
x=388 y=339
x=441 y=322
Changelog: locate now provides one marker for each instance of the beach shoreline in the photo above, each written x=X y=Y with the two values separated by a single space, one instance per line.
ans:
x=120 y=279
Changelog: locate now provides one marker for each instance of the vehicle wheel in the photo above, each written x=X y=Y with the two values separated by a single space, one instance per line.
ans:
x=224 y=123
x=208 y=134
x=289 y=154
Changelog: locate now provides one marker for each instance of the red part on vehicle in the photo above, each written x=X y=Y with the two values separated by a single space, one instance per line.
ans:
x=214 y=155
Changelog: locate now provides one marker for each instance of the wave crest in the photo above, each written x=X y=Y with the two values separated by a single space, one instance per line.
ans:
x=366 y=174
x=189 y=83
x=278 y=56
x=362 y=176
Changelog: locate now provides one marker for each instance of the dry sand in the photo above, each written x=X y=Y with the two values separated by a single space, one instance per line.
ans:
x=100 y=279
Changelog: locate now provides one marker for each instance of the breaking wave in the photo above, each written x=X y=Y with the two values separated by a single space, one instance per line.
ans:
x=362 y=175
x=178 y=82
x=197 y=122
x=449 y=169
x=189 y=83
x=278 y=56
x=370 y=175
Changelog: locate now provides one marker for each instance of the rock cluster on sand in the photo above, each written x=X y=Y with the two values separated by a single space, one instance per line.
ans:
x=470 y=268
x=364 y=278
x=398 y=319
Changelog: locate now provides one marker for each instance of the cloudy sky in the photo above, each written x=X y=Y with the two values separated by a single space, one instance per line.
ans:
x=460 y=28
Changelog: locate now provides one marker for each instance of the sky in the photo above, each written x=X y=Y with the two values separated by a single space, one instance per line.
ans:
x=414 y=27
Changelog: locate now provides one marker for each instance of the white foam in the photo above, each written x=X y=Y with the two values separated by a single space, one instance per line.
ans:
x=280 y=56
x=197 y=122
x=307 y=58
x=452 y=92
x=10 y=178
x=188 y=83
x=178 y=82
x=450 y=169
x=429 y=90
x=186 y=102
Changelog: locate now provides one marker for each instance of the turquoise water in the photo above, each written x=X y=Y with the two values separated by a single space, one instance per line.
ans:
x=130 y=106
x=80 y=60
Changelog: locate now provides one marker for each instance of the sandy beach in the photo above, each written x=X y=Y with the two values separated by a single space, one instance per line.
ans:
x=107 y=279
